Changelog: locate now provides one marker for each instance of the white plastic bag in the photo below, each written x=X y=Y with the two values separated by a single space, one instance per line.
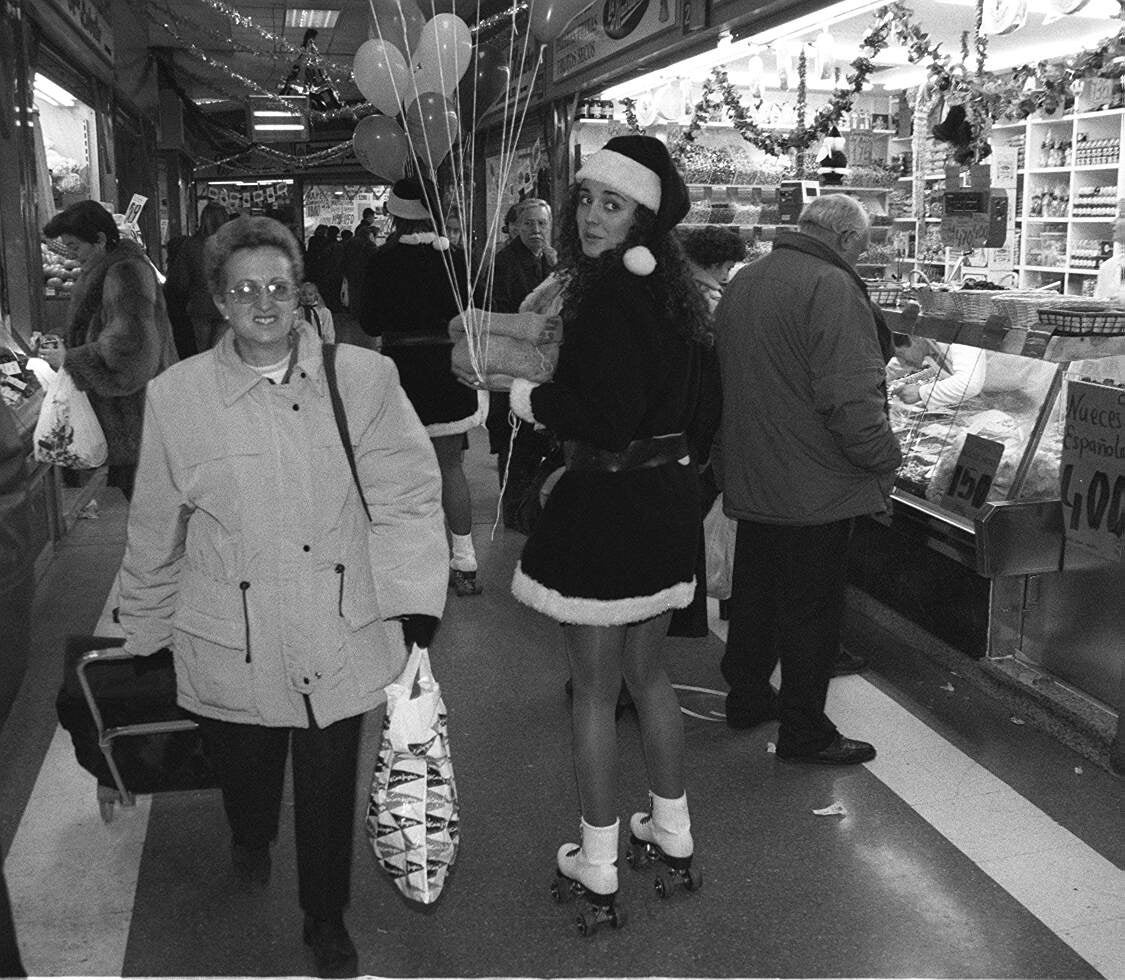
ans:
x=67 y=433
x=412 y=810
x=719 y=533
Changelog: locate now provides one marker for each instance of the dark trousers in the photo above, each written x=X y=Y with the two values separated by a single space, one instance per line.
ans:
x=787 y=601
x=250 y=763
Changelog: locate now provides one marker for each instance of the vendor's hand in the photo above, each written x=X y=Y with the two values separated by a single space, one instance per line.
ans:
x=909 y=394
x=551 y=256
x=54 y=356
x=418 y=629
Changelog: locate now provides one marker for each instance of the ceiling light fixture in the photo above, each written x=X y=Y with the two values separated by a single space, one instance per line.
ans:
x=306 y=17
x=53 y=94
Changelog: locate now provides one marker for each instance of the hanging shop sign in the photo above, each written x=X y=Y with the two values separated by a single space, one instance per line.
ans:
x=1092 y=468
x=606 y=28
x=87 y=20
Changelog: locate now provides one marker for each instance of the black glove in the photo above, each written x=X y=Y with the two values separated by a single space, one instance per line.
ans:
x=418 y=628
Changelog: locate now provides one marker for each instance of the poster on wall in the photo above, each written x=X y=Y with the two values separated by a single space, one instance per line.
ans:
x=341 y=205
x=504 y=189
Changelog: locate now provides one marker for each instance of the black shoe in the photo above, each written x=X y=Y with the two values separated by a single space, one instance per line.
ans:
x=251 y=864
x=332 y=947
x=847 y=662
x=839 y=752
x=742 y=715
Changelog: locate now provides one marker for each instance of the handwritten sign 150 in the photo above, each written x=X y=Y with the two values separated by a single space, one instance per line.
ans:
x=1093 y=468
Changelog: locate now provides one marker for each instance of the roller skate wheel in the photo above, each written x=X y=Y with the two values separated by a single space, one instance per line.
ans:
x=662 y=888
x=694 y=880
x=560 y=890
x=617 y=918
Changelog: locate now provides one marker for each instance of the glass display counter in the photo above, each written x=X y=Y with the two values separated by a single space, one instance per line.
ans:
x=1000 y=582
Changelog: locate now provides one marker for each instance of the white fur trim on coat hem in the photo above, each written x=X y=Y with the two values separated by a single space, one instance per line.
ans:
x=599 y=612
x=520 y=397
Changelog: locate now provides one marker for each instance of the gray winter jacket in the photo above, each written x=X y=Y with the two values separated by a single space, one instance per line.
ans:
x=248 y=549
x=805 y=434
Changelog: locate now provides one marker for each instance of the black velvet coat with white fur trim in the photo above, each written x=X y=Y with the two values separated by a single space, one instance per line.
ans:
x=615 y=548
x=118 y=338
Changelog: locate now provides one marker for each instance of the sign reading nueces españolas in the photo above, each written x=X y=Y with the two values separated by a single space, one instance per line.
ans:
x=1092 y=469
x=605 y=27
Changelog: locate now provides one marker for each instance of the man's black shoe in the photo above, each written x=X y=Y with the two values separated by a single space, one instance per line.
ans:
x=847 y=662
x=839 y=752
x=332 y=947
x=741 y=716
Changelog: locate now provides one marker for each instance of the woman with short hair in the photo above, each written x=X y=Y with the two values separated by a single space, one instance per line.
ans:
x=249 y=553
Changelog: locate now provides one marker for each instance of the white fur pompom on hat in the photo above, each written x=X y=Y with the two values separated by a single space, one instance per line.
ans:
x=639 y=261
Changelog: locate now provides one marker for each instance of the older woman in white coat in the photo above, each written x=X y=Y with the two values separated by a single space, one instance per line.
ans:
x=249 y=553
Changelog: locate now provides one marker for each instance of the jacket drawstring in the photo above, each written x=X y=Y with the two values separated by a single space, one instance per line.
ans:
x=340 y=601
x=246 y=616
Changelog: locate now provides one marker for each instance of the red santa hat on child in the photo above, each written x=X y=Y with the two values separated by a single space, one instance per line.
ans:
x=641 y=168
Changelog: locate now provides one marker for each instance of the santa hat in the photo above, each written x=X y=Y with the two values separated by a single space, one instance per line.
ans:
x=641 y=168
x=411 y=200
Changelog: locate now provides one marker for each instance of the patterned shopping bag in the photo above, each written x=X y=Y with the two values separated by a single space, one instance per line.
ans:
x=412 y=810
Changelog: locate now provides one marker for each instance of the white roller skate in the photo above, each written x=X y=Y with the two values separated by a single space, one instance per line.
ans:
x=588 y=872
x=664 y=835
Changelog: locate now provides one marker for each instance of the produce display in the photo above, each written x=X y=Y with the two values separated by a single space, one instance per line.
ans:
x=60 y=271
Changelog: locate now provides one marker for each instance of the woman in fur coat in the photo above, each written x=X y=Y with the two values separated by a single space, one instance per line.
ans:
x=118 y=336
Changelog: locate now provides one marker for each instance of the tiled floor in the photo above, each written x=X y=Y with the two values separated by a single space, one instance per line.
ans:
x=937 y=866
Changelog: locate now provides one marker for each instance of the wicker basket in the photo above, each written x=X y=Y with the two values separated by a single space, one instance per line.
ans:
x=884 y=293
x=974 y=304
x=1022 y=308
x=934 y=300
x=1083 y=320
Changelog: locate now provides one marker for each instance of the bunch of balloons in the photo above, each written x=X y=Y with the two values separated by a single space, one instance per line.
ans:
x=429 y=75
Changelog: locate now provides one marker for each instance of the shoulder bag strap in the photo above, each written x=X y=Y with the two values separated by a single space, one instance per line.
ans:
x=329 y=351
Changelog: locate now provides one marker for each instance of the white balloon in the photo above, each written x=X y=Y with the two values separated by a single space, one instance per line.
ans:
x=382 y=75
x=443 y=54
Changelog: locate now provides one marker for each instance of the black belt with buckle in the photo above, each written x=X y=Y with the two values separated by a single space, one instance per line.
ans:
x=639 y=454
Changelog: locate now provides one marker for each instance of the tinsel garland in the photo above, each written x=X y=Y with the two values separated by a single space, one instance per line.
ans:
x=986 y=98
x=630 y=106
x=192 y=49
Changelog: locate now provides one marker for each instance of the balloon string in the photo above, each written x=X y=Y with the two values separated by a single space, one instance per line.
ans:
x=514 y=422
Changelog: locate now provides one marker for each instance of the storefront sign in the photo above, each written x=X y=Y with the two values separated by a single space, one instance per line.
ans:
x=90 y=22
x=604 y=29
x=1092 y=469
x=973 y=475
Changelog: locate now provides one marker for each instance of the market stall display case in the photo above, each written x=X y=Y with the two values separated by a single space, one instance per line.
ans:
x=1001 y=563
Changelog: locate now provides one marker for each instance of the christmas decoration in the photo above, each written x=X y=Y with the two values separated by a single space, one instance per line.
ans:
x=307 y=77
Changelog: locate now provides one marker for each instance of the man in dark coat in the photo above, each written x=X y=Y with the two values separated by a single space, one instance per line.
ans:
x=519 y=267
x=807 y=447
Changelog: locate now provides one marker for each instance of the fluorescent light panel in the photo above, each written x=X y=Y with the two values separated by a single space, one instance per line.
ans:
x=54 y=94
x=311 y=17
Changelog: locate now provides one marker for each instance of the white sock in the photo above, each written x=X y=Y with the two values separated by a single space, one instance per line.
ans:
x=464 y=557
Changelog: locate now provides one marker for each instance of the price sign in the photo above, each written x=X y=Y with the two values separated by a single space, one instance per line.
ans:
x=964 y=232
x=972 y=477
x=1092 y=469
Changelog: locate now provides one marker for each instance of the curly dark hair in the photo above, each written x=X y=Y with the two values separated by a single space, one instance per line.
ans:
x=672 y=286
x=709 y=246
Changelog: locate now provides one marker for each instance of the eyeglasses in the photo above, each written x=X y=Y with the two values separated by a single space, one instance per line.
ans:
x=249 y=290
